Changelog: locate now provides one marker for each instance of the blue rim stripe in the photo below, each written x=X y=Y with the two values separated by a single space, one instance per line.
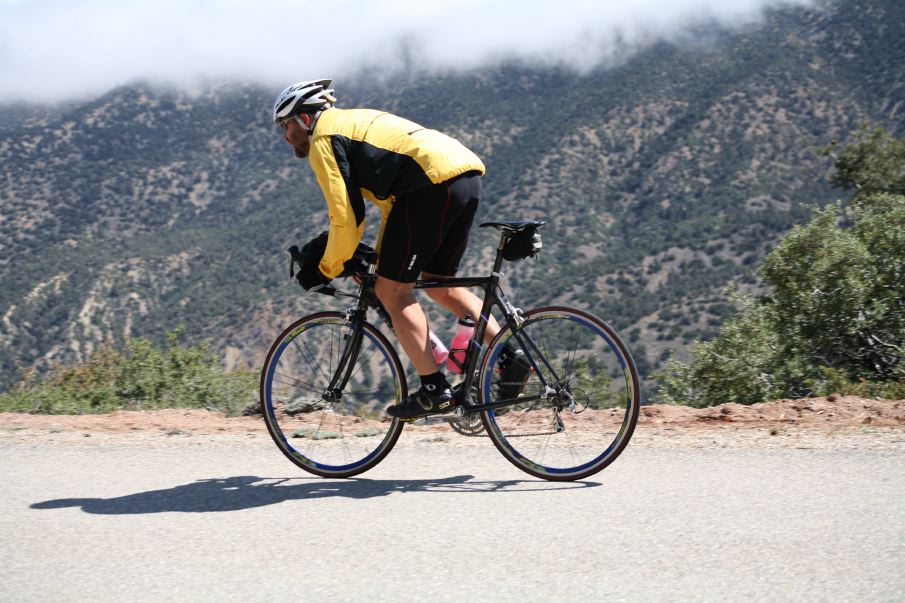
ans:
x=302 y=458
x=623 y=363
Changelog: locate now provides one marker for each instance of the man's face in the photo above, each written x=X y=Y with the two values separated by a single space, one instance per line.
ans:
x=297 y=136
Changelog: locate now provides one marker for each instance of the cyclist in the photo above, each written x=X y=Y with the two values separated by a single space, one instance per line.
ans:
x=427 y=186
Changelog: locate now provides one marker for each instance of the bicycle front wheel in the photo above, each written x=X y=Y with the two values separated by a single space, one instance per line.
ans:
x=580 y=400
x=340 y=431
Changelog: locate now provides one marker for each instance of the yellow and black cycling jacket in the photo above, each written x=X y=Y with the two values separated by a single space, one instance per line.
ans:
x=360 y=154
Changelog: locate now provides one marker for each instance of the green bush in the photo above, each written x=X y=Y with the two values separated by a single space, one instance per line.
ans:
x=139 y=376
x=834 y=320
x=738 y=365
x=872 y=162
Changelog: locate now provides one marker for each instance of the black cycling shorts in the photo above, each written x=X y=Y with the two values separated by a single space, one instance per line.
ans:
x=427 y=230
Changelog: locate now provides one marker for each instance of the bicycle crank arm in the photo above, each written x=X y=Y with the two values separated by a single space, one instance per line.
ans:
x=500 y=404
x=433 y=420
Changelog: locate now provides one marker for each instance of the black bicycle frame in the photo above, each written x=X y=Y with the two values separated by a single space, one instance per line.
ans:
x=493 y=296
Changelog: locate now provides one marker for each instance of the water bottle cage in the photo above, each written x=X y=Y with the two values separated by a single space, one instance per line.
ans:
x=452 y=358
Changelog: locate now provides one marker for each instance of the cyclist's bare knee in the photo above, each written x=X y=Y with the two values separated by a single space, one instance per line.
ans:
x=443 y=295
x=393 y=294
x=460 y=301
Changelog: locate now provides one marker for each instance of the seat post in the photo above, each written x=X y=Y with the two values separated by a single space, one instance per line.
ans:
x=498 y=260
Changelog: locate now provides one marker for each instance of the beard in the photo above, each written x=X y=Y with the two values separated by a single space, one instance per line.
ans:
x=301 y=151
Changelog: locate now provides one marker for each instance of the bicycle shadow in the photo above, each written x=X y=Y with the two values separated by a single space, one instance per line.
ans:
x=248 y=491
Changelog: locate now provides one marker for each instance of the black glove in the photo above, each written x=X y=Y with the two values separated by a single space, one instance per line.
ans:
x=311 y=278
x=353 y=267
x=316 y=247
x=309 y=275
x=309 y=256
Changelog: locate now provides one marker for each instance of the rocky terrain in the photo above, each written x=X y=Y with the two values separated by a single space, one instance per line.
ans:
x=825 y=423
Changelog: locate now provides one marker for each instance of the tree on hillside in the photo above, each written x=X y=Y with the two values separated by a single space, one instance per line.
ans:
x=872 y=162
x=834 y=318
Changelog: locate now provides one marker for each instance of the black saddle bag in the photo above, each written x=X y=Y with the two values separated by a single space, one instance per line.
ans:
x=523 y=244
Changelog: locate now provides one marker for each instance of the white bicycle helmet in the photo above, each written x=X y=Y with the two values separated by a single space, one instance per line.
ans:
x=303 y=97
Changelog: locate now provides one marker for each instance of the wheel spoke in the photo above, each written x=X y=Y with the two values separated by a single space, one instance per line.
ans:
x=312 y=361
x=297 y=383
x=331 y=433
x=587 y=422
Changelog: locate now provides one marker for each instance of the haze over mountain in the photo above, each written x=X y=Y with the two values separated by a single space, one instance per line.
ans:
x=55 y=50
x=663 y=179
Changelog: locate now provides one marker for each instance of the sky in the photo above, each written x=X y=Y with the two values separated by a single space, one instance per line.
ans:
x=58 y=50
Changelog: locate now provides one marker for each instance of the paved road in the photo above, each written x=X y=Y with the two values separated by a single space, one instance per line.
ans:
x=182 y=520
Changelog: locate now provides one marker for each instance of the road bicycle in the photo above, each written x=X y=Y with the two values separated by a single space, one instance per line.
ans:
x=329 y=377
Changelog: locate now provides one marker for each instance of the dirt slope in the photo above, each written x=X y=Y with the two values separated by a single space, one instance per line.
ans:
x=820 y=414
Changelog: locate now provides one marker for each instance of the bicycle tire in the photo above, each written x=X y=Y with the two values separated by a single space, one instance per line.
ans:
x=323 y=435
x=575 y=434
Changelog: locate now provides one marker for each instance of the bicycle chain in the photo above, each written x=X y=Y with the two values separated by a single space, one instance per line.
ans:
x=529 y=435
x=483 y=434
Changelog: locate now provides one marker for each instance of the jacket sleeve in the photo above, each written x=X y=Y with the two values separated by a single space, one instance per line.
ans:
x=329 y=157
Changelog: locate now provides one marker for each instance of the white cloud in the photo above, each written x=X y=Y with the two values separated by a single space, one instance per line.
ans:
x=57 y=49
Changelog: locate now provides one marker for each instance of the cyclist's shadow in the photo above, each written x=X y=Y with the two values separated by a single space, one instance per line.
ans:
x=248 y=491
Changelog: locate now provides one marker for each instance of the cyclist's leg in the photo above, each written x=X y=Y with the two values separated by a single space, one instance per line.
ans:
x=415 y=228
x=409 y=322
x=409 y=239
x=460 y=301
x=427 y=231
x=410 y=325
x=416 y=232
x=466 y=193
x=454 y=228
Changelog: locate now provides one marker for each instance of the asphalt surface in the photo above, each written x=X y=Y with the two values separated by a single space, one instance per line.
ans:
x=181 y=519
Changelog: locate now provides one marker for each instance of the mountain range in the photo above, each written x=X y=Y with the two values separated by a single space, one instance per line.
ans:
x=663 y=179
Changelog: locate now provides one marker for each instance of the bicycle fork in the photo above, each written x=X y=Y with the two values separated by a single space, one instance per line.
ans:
x=352 y=341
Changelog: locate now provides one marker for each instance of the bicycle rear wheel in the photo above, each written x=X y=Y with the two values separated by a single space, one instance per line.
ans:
x=337 y=433
x=583 y=418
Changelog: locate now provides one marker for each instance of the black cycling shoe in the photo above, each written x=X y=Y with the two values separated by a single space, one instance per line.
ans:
x=422 y=404
x=514 y=372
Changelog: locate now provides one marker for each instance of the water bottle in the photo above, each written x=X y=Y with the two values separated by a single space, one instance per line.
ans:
x=458 y=347
x=438 y=348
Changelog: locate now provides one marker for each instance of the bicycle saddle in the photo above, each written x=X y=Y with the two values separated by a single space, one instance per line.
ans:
x=515 y=226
